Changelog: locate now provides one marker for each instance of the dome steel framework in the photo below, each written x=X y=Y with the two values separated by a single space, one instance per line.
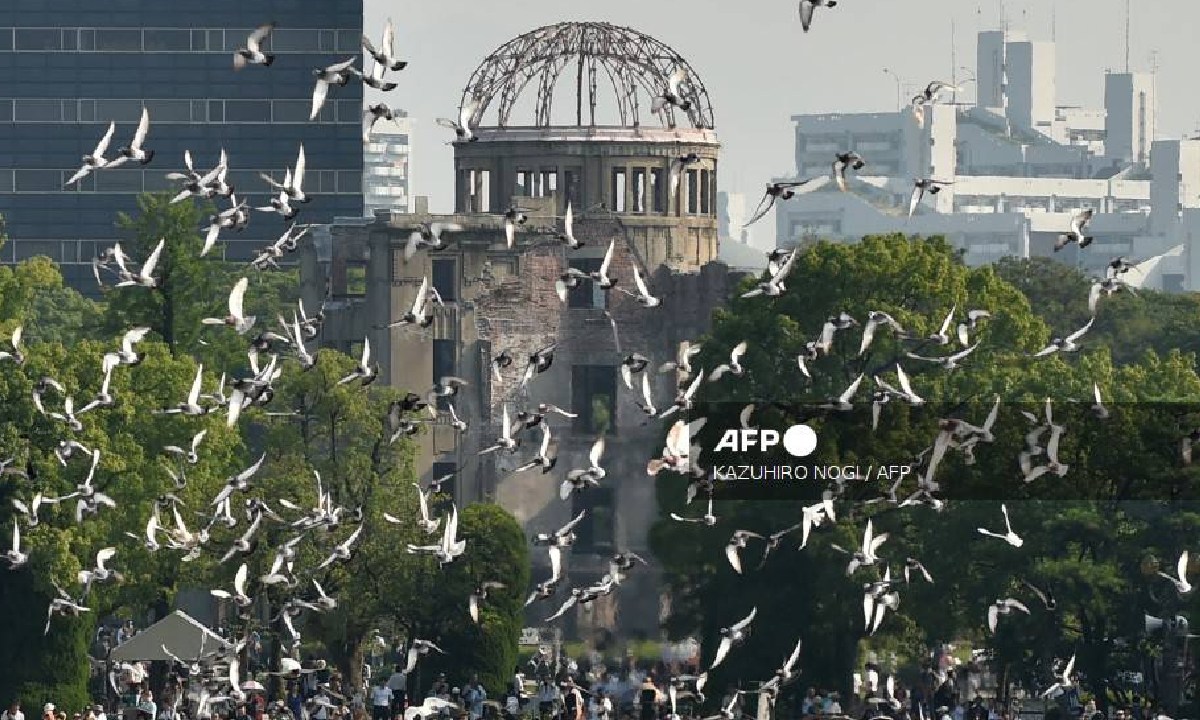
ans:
x=630 y=61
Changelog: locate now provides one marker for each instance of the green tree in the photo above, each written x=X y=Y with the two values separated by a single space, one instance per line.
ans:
x=1127 y=322
x=496 y=551
x=1085 y=533
x=191 y=287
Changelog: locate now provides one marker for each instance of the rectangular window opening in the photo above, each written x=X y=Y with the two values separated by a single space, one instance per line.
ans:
x=639 y=190
x=593 y=397
x=444 y=278
x=618 y=189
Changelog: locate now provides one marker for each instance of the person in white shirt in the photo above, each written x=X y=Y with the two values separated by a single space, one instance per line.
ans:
x=600 y=707
x=13 y=712
x=98 y=712
x=833 y=707
x=320 y=705
x=381 y=701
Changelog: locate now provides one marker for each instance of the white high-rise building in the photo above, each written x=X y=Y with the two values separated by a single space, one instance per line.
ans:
x=989 y=69
x=732 y=213
x=1129 y=125
x=1031 y=93
x=386 y=167
x=1016 y=168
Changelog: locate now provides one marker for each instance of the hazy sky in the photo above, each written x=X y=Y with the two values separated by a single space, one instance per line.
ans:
x=760 y=68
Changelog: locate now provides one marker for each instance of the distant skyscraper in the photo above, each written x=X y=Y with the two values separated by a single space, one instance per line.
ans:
x=75 y=65
x=386 y=167
x=1131 y=108
x=731 y=214
x=1030 y=67
x=990 y=68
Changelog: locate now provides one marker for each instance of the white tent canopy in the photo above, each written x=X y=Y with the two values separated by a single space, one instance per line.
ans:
x=186 y=638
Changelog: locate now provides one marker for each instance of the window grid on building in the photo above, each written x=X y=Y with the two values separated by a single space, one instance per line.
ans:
x=281 y=41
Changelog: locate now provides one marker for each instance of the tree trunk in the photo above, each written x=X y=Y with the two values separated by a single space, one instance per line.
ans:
x=168 y=330
x=356 y=657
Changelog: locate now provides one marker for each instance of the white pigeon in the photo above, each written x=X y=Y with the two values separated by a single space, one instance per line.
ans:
x=949 y=362
x=737 y=542
x=568 y=233
x=191 y=406
x=342 y=551
x=336 y=74
x=506 y=441
x=643 y=296
x=135 y=151
x=1180 y=581
x=731 y=636
x=385 y=55
x=366 y=371
x=467 y=117
x=95 y=161
x=734 y=367
x=1079 y=222
x=1009 y=536
x=808 y=7
x=866 y=554
x=145 y=274
x=252 y=54
x=14 y=557
x=293 y=183
x=237 y=318
x=1003 y=607
x=126 y=355
x=238 y=596
x=1067 y=344
x=1064 y=680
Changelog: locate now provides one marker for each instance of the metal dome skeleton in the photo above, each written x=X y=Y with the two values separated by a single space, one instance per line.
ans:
x=637 y=66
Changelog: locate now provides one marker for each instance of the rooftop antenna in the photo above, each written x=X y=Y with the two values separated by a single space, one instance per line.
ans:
x=1127 y=19
x=1154 y=92
x=953 y=60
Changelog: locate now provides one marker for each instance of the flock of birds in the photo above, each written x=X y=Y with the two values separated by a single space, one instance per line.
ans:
x=681 y=456
x=235 y=507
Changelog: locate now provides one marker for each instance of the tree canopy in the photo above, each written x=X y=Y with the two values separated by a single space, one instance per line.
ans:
x=1125 y=508
x=313 y=430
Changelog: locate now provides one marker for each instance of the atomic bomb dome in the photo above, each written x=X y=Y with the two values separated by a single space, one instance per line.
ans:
x=599 y=62
x=601 y=149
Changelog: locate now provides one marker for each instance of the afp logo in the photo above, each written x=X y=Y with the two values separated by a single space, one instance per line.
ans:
x=798 y=440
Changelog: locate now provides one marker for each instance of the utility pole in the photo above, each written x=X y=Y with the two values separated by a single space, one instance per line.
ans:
x=1128 y=16
x=953 y=61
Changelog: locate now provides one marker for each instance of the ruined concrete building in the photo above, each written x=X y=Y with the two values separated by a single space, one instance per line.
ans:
x=645 y=183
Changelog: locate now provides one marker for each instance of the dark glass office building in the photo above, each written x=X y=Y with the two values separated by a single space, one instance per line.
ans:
x=69 y=67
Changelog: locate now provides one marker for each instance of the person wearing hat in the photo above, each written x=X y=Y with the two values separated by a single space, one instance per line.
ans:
x=98 y=712
x=13 y=712
x=48 y=711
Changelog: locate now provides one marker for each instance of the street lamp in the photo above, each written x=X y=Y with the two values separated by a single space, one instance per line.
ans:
x=888 y=71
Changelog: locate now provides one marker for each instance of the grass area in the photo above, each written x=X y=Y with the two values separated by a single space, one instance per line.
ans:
x=644 y=650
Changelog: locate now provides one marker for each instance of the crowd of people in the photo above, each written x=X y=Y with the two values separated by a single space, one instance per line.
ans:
x=588 y=689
